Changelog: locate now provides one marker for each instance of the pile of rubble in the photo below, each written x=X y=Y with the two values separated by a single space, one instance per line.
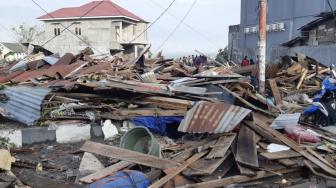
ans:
x=193 y=127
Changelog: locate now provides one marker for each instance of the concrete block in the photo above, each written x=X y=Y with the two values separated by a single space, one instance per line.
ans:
x=38 y=135
x=14 y=136
x=72 y=133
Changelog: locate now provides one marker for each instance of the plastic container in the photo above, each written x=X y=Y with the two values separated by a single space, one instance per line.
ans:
x=140 y=139
x=124 y=179
x=297 y=133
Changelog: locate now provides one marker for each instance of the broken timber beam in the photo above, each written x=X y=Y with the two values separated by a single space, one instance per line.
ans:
x=178 y=169
x=295 y=147
x=127 y=155
x=246 y=102
x=105 y=172
x=237 y=179
x=275 y=91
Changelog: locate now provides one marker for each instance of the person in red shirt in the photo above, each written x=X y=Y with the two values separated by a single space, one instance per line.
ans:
x=245 y=62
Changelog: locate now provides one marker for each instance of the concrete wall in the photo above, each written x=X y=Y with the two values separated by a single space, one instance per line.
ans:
x=324 y=54
x=293 y=13
x=99 y=33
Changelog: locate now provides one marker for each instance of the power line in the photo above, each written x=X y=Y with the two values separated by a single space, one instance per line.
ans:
x=331 y=8
x=177 y=26
x=188 y=26
x=67 y=28
x=150 y=25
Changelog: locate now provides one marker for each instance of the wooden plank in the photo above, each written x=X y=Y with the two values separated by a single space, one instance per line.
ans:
x=319 y=72
x=149 y=112
x=287 y=162
x=319 y=157
x=203 y=167
x=243 y=170
x=296 y=147
x=105 y=172
x=222 y=170
x=238 y=179
x=127 y=155
x=281 y=155
x=177 y=170
x=262 y=132
x=302 y=78
x=275 y=91
x=169 y=103
x=246 y=148
x=246 y=102
x=221 y=147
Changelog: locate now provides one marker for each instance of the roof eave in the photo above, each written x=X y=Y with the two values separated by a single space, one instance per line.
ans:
x=89 y=17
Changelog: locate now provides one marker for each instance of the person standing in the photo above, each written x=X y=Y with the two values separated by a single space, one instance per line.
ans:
x=245 y=62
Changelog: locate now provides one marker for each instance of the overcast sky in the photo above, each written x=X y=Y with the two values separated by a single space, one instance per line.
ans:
x=209 y=18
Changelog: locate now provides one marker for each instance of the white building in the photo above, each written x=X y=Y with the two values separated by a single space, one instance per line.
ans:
x=12 y=51
x=107 y=27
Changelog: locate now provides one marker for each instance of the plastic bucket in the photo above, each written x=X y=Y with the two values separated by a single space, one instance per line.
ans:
x=140 y=139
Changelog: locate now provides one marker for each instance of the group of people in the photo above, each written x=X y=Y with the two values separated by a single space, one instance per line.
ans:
x=247 y=62
x=188 y=60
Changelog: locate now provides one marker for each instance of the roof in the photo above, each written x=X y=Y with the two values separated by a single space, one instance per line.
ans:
x=299 y=39
x=321 y=18
x=94 y=9
x=15 y=47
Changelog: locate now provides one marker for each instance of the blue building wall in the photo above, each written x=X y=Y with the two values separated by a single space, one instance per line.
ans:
x=293 y=13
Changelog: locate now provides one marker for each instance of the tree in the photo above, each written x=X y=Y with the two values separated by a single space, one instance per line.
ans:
x=26 y=33
x=223 y=55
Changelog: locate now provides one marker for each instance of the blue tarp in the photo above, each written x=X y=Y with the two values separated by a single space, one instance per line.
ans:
x=328 y=84
x=123 y=179
x=157 y=124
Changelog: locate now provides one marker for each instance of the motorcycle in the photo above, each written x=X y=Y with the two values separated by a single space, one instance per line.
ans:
x=323 y=109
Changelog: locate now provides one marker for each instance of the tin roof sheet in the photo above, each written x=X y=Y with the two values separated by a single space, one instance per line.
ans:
x=24 y=104
x=207 y=117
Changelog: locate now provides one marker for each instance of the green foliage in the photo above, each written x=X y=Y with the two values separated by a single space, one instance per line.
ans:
x=27 y=33
x=223 y=55
x=4 y=143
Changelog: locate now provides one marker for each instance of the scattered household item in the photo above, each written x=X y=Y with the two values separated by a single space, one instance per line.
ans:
x=140 y=139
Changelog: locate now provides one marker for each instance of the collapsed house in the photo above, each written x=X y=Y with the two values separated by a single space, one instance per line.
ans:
x=181 y=127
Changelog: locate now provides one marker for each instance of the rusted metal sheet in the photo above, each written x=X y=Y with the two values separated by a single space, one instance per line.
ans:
x=207 y=117
x=96 y=68
x=66 y=59
x=27 y=76
x=6 y=78
x=64 y=70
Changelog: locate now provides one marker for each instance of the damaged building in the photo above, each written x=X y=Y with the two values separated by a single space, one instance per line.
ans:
x=119 y=29
x=284 y=18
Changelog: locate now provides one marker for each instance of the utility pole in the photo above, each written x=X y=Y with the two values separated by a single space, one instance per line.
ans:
x=262 y=45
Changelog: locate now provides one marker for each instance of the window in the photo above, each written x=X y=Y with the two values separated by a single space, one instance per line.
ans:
x=78 y=31
x=57 y=31
x=117 y=29
x=134 y=30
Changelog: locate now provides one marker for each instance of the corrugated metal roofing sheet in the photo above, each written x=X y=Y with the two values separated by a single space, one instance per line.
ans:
x=24 y=104
x=207 y=117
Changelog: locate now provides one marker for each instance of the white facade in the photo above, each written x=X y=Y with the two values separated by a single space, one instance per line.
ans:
x=10 y=55
x=101 y=34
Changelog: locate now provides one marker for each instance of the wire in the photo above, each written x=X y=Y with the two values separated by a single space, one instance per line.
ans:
x=188 y=26
x=331 y=8
x=67 y=28
x=150 y=25
x=177 y=26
